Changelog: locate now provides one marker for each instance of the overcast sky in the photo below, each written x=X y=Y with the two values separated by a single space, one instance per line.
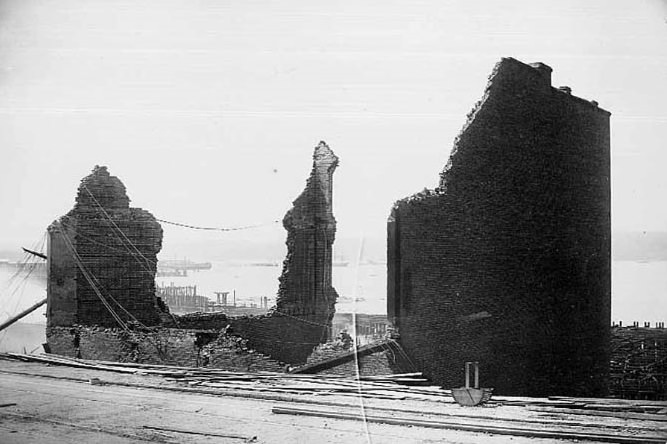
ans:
x=209 y=110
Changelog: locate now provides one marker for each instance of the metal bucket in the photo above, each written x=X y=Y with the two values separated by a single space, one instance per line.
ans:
x=471 y=396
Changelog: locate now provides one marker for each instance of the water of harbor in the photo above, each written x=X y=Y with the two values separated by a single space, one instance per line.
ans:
x=639 y=292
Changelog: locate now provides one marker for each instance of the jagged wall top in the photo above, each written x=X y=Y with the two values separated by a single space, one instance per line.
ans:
x=100 y=187
x=324 y=165
x=315 y=202
x=521 y=79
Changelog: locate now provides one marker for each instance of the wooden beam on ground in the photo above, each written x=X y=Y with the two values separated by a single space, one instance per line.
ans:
x=194 y=432
x=512 y=431
x=584 y=412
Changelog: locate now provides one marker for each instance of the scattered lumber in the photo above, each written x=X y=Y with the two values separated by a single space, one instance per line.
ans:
x=621 y=415
x=380 y=386
x=513 y=431
x=588 y=404
x=72 y=363
x=609 y=400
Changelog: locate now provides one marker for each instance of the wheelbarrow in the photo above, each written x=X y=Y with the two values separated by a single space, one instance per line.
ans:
x=471 y=396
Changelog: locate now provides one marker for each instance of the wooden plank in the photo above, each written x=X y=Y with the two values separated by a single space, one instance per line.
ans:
x=512 y=431
x=632 y=402
x=194 y=432
x=60 y=361
x=621 y=415
x=622 y=408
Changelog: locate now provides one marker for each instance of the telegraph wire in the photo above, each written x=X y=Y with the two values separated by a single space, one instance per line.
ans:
x=194 y=227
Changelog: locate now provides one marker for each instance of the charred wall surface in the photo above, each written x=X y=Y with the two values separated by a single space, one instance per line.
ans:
x=507 y=262
x=101 y=257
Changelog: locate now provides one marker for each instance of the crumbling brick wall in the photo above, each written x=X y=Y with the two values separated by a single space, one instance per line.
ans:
x=103 y=253
x=507 y=262
x=305 y=288
x=305 y=304
x=172 y=346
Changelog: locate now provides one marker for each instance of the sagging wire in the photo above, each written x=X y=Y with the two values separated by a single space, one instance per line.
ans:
x=281 y=313
x=116 y=317
x=116 y=226
x=90 y=277
x=127 y=243
x=126 y=251
x=194 y=227
x=85 y=273
x=102 y=244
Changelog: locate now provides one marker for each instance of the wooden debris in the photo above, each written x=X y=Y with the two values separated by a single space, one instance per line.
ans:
x=280 y=386
x=621 y=415
x=512 y=431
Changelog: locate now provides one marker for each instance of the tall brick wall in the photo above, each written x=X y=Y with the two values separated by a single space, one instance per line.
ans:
x=507 y=262
x=305 y=304
x=111 y=243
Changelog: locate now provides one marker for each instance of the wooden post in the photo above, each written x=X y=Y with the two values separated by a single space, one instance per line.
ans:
x=476 y=364
x=24 y=313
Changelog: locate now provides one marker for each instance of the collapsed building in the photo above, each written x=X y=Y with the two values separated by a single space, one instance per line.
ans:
x=101 y=296
x=507 y=261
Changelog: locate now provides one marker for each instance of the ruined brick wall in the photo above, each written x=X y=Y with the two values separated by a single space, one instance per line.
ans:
x=508 y=261
x=287 y=339
x=115 y=246
x=102 y=244
x=284 y=338
x=164 y=346
x=305 y=303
